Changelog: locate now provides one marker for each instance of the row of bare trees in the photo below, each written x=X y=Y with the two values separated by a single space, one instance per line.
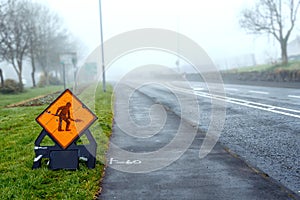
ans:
x=30 y=31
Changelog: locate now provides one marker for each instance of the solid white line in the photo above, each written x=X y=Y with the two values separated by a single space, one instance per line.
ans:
x=258 y=92
x=294 y=96
x=269 y=108
x=194 y=88
x=232 y=89
x=260 y=106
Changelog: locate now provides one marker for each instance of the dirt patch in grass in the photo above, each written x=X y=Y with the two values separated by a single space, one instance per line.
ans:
x=36 y=101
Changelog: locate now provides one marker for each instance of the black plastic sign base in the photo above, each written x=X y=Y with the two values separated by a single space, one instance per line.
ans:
x=64 y=160
x=60 y=158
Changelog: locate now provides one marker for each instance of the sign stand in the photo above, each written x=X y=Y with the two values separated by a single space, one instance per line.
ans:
x=65 y=120
x=60 y=158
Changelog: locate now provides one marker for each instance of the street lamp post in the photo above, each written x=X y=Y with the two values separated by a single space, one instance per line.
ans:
x=102 y=49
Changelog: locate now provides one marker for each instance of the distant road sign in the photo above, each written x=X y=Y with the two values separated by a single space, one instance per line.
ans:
x=68 y=58
x=66 y=118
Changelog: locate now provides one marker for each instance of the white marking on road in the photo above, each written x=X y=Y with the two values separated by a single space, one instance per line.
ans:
x=124 y=162
x=258 y=92
x=260 y=106
x=294 y=96
x=265 y=107
x=232 y=89
x=198 y=89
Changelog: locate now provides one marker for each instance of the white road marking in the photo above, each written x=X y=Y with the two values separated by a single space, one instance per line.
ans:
x=232 y=89
x=260 y=106
x=198 y=89
x=124 y=162
x=294 y=96
x=265 y=107
x=258 y=92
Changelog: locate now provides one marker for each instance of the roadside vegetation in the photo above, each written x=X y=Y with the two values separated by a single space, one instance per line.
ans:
x=292 y=65
x=19 y=130
x=271 y=73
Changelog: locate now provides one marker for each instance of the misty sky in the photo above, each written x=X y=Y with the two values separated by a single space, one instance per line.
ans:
x=213 y=24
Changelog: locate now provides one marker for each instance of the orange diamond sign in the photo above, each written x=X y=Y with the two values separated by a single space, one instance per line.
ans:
x=66 y=118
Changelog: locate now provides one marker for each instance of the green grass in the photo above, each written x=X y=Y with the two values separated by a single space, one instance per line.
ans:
x=19 y=130
x=27 y=94
x=293 y=65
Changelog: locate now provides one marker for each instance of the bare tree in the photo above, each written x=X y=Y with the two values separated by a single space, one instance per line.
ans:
x=51 y=38
x=31 y=30
x=34 y=9
x=47 y=38
x=14 y=36
x=275 y=17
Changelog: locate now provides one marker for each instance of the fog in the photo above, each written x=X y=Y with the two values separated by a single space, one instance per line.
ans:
x=213 y=25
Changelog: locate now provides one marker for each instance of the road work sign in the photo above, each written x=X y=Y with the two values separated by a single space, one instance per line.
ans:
x=64 y=121
x=66 y=118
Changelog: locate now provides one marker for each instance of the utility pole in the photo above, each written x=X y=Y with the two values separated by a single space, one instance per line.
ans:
x=102 y=49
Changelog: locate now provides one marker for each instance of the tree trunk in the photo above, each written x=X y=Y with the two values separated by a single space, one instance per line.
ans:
x=20 y=76
x=33 y=78
x=33 y=70
x=20 y=82
x=284 y=55
x=46 y=74
x=1 y=78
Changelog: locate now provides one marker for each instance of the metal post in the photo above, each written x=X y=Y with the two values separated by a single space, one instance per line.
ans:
x=102 y=48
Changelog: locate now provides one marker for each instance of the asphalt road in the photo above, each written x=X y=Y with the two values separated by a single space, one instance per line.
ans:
x=267 y=138
x=262 y=127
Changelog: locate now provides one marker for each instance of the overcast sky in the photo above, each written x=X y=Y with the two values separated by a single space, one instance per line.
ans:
x=212 y=24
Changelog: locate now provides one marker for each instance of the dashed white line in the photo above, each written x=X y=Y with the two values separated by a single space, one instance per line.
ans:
x=294 y=96
x=258 y=92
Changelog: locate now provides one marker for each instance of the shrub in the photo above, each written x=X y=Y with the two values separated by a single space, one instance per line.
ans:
x=42 y=81
x=52 y=80
x=11 y=86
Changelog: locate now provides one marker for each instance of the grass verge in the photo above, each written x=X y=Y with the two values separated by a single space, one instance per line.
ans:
x=19 y=130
